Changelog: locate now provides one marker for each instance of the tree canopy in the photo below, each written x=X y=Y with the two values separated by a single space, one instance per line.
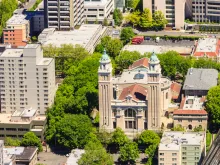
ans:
x=72 y=131
x=7 y=8
x=146 y=19
x=129 y=152
x=118 y=137
x=30 y=139
x=159 y=20
x=213 y=106
x=126 y=34
x=113 y=46
x=118 y=17
x=66 y=55
x=95 y=154
x=12 y=142
x=150 y=140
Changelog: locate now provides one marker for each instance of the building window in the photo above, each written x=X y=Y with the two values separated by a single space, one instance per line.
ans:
x=179 y=120
x=161 y=159
x=173 y=159
x=173 y=154
x=130 y=113
x=167 y=95
x=189 y=120
x=161 y=154
x=114 y=124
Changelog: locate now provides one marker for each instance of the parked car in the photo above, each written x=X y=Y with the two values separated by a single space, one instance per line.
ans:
x=137 y=40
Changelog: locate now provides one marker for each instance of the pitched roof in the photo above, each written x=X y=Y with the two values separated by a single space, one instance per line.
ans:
x=133 y=90
x=200 y=79
x=175 y=89
x=140 y=62
x=189 y=112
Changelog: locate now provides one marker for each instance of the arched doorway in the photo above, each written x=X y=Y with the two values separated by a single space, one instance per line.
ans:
x=190 y=127
x=130 y=119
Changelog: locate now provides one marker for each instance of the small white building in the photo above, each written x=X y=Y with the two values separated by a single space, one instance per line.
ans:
x=97 y=10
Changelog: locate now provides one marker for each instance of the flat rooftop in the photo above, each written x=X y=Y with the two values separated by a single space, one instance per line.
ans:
x=81 y=36
x=25 y=113
x=6 y=119
x=174 y=140
x=206 y=45
x=17 y=19
x=12 y=53
x=158 y=49
x=45 y=61
x=98 y=4
x=193 y=103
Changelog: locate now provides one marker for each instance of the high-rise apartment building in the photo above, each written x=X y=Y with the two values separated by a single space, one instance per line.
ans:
x=63 y=14
x=206 y=10
x=173 y=10
x=27 y=80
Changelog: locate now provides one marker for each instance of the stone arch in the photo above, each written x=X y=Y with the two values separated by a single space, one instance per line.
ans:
x=190 y=126
x=130 y=112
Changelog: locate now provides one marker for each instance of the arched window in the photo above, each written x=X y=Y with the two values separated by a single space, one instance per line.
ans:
x=130 y=113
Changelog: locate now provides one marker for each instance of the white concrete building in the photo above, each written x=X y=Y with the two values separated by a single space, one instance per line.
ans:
x=181 y=148
x=1 y=152
x=98 y=10
x=63 y=14
x=87 y=36
x=27 y=80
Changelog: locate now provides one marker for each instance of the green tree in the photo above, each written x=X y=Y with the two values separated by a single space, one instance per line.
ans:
x=159 y=20
x=72 y=131
x=95 y=154
x=178 y=128
x=34 y=39
x=125 y=59
x=104 y=137
x=118 y=17
x=30 y=139
x=150 y=140
x=37 y=2
x=198 y=129
x=112 y=46
x=105 y=22
x=126 y=34
x=66 y=55
x=146 y=19
x=96 y=21
x=119 y=138
x=12 y=142
x=129 y=152
x=134 y=18
x=213 y=106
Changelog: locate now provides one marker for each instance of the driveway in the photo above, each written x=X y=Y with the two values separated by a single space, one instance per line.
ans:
x=50 y=158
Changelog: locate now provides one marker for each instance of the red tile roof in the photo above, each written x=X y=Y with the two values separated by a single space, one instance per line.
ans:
x=132 y=90
x=188 y=112
x=182 y=103
x=141 y=62
x=209 y=54
x=175 y=89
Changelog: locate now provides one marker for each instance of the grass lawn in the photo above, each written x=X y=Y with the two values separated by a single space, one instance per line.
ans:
x=208 y=140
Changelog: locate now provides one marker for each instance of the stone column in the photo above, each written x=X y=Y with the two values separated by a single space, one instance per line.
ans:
x=140 y=121
x=120 y=122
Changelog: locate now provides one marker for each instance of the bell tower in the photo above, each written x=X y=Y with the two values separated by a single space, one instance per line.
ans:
x=105 y=92
x=154 y=98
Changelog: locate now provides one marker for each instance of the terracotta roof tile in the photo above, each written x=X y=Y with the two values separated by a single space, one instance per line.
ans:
x=133 y=90
x=141 y=62
x=175 y=89
x=182 y=112
x=182 y=103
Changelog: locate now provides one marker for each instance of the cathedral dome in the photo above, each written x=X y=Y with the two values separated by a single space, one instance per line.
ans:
x=154 y=58
x=105 y=56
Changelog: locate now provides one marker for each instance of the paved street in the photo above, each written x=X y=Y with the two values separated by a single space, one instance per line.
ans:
x=50 y=158
x=29 y=4
x=173 y=33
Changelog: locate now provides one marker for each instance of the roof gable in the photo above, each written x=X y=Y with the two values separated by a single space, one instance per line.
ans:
x=137 y=92
x=143 y=62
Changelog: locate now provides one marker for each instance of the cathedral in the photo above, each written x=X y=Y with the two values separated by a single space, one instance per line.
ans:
x=135 y=100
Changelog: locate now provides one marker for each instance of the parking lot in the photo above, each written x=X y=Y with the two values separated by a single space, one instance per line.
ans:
x=50 y=158
x=182 y=43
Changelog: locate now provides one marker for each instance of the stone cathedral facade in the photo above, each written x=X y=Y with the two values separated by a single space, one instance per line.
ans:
x=136 y=99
